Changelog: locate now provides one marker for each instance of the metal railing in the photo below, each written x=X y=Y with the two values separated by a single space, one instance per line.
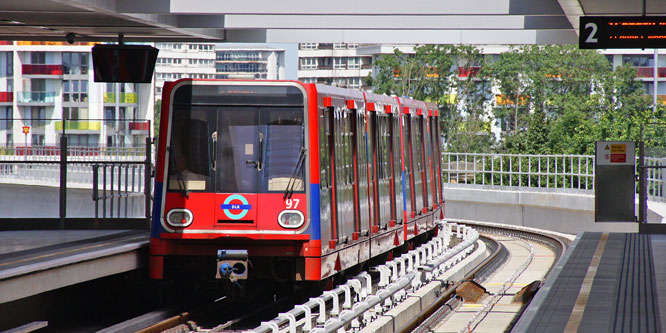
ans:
x=119 y=178
x=570 y=173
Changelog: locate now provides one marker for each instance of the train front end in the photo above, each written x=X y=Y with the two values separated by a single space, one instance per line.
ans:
x=231 y=192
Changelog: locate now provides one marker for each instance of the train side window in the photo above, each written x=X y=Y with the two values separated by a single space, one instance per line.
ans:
x=324 y=149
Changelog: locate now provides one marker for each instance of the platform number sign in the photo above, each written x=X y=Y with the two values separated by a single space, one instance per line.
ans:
x=591 y=29
x=622 y=32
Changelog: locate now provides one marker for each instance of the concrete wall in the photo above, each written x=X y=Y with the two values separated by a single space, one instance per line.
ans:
x=20 y=201
x=551 y=210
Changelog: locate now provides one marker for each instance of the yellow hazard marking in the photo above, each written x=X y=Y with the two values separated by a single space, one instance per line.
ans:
x=618 y=149
x=584 y=293
x=474 y=305
x=606 y=147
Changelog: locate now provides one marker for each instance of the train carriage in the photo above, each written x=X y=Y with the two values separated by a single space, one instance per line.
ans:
x=288 y=181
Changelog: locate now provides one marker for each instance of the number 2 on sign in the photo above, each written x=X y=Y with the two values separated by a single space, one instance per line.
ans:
x=292 y=203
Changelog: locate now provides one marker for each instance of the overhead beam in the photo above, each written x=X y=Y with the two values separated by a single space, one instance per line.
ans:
x=565 y=36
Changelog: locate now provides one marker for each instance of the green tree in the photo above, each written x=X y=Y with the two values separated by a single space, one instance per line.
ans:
x=450 y=76
x=156 y=116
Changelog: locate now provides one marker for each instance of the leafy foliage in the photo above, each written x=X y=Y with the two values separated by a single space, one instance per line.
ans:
x=553 y=99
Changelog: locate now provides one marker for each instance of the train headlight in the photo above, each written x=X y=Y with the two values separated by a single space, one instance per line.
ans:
x=291 y=219
x=179 y=218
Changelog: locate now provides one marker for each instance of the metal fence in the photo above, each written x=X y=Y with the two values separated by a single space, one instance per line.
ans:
x=118 y=179
x=556 y=172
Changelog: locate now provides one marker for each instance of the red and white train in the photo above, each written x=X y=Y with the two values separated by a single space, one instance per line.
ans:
x=288 y=180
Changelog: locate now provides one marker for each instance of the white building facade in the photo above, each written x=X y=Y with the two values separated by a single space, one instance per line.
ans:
x=336 y=64
x=183 y=60
x=250 y=62
x=47 y=89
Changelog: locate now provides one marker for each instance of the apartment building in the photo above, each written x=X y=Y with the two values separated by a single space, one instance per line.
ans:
x=236 y=61
x=336 y=64
x=47 y=89
x=183 y=60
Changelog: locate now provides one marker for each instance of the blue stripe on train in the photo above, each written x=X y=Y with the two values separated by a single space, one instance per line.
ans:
x=315 y=211
x=156 y=227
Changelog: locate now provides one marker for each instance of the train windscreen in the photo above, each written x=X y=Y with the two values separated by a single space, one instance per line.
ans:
x=232 y=143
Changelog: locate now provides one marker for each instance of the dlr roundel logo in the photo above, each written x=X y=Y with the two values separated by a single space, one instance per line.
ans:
x=231 y=203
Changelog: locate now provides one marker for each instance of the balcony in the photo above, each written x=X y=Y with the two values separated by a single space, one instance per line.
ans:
x=649 y=72
x=123 y=98
x=42 y=69
x=36 y=97
x=78 y=125
x=6 y=97
x=139 y=126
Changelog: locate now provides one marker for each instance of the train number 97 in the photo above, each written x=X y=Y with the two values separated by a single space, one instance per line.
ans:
x=292 y=203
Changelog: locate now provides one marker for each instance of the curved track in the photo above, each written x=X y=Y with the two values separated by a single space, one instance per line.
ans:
x=515 y=258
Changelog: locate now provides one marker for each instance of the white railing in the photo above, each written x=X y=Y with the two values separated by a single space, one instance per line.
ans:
x=74 y=153
x=557 y=172
x=79 y=175
x=573 y=172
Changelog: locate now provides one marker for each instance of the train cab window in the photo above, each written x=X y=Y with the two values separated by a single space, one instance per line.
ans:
x=190 y=167
x=284 y=153
x=260 y=149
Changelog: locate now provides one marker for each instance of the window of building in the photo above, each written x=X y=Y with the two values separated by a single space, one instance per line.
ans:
x=75 y=91
x=37 y=140
x=35 y=117
x=75 y=62
x=9 y=63
x=339 y=46
x=75 y=113
x=38 y=58
x=10 y=139
x=339 y=63
x=354 y=82
x=82 y=140
x=6 y=118
x=352 y=46
x=309 y=63
x=308 y=46
x=354 y=62
x=638 y=60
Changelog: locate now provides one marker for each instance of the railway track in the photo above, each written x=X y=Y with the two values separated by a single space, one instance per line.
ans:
x=506 y=291
x=506 y=252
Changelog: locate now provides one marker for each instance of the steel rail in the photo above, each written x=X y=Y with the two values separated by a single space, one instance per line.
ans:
x=450 y=292
x=557 y=244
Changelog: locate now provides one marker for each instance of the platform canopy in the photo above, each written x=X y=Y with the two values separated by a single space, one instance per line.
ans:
x=342 y=21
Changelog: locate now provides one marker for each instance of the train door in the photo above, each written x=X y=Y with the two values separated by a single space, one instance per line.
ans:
x=326 y=207
x=407 y=152
x=238 y=162
x=417 y=156
x=398 y=200
x=435 y=160
x=383 y=135
x=259 y=150
x=372 y=176
x=427 y=161
x=361 y=149
x=343 y=166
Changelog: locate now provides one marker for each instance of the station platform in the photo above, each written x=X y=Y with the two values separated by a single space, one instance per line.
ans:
x=606 y=282
x=36 y=261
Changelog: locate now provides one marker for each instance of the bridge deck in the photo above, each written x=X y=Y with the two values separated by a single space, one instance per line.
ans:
x=606 y=282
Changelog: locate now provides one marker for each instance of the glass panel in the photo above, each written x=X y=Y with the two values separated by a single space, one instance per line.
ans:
x=237 y=150
x=283 y=138
x=189 y=160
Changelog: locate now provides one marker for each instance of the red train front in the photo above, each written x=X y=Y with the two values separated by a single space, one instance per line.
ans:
x=239 y=190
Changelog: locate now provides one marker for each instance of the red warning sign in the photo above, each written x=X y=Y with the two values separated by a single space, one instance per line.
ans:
x=618 y=158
